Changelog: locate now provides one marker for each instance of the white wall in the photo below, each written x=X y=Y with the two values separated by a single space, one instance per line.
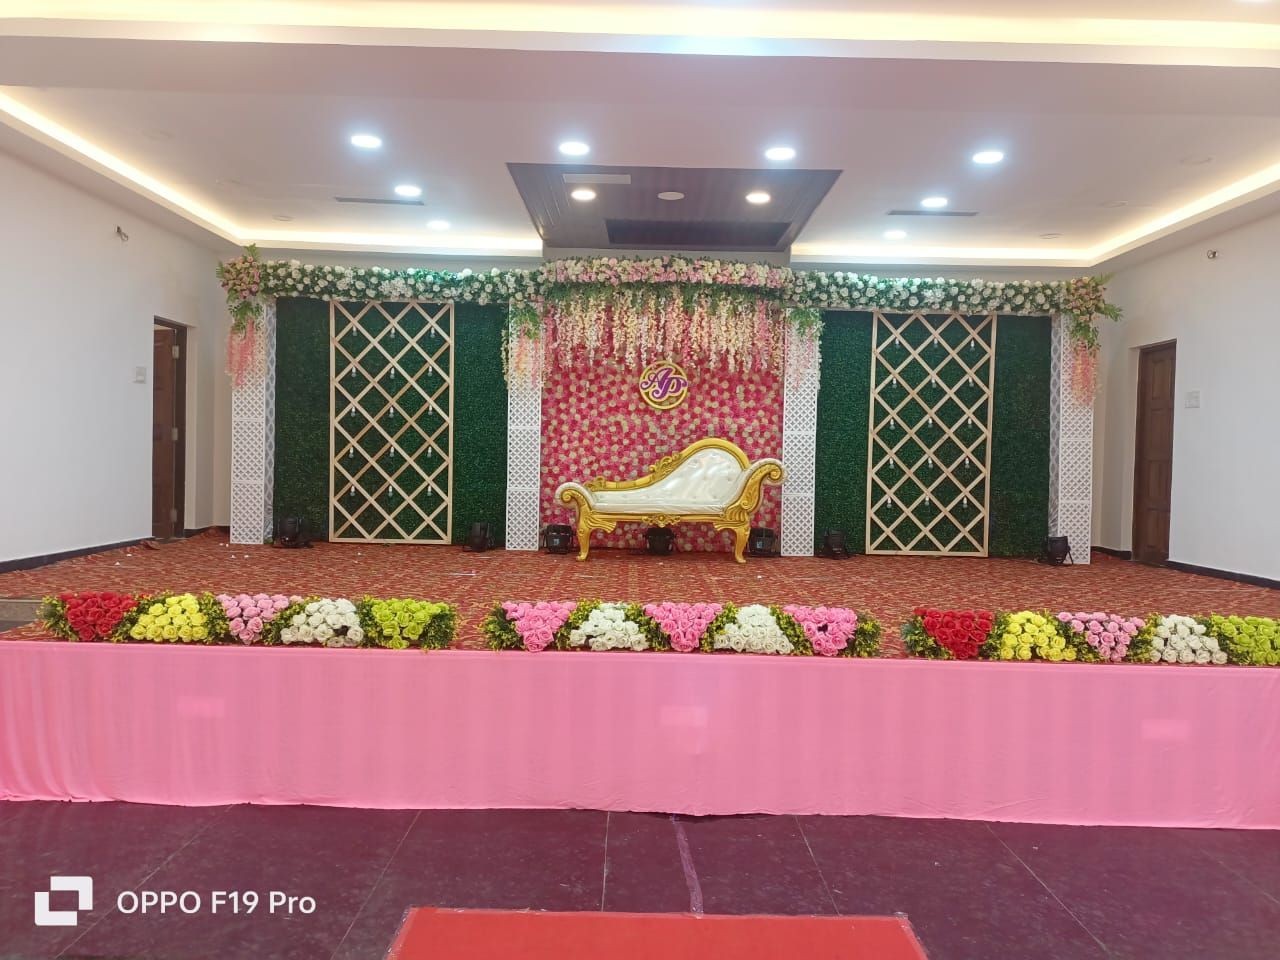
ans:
x=76 y=318
x=1225 y=316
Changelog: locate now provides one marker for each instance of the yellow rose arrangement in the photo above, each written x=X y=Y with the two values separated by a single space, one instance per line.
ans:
x=1030 y=635
x=177 y=618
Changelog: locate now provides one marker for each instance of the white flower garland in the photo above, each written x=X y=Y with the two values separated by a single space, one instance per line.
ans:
x=607 y=628
x=1181 y=639
x=754 y=630
x=333 y=623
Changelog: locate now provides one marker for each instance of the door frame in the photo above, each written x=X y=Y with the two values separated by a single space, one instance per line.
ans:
x=180 y=417
x=1138 y=438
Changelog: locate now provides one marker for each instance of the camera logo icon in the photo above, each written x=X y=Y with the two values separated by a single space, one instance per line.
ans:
x=81 y=886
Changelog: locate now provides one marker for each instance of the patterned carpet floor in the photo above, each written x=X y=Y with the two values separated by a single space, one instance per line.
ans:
x=890 y=587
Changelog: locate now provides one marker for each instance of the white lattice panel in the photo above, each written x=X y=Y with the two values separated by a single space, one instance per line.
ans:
x=253 y=438
x=1070 y=452
x=524 y=464
x=929 y=434
x=799 y=443
x=391 y=422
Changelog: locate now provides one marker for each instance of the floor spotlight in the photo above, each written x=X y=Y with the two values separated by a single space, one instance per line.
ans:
x=660 y=540
x=1057 y=550
x=557 y=538
x=480 y=536
x=762 y=542
x=834 y=546
x=291 y=532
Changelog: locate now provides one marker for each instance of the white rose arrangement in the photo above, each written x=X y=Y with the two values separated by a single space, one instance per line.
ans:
x=333 y=623
x=607 y=628
x=754 y=630
x=1181 y=639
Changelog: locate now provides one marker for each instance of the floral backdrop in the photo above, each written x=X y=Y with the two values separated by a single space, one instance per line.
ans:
x=595 y=424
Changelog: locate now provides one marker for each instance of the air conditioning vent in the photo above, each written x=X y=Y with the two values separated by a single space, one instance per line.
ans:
x=933 y=213
x=599 y=179
x=700 y=234
x=392 y=201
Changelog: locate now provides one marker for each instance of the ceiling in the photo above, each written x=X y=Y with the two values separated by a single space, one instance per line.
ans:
x=249 y=140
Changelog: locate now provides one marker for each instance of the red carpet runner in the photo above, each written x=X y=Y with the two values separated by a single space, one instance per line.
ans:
x=485 y=934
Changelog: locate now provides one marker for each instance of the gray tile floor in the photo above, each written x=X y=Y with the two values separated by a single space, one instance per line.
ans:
x=971 y=890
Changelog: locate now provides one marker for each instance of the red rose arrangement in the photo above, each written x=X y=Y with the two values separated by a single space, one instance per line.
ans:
x=948 y=634
x=87 y=616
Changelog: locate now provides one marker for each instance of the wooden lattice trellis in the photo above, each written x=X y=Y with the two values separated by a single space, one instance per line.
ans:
x=391 y=422
x=929 y=434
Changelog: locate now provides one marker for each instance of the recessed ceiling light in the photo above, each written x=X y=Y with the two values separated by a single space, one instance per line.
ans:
x=895 y=234
x=1050 y=236
x=671 y=195
x=437 y=224
x=159 y=135
x=780 y=153
x=408 y=190
x=934 y=203
x=584 y=194
x=366 y=141
x=282 y=217
x=988 y=157
x=1196 y=161
x=574 y=148
x=758 y=196
x=1114 y=203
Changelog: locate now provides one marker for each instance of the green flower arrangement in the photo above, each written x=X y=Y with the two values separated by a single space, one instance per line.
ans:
x=402 y=623
x=1247 y=640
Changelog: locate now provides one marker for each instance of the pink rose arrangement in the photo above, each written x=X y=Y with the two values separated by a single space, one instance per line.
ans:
x=683 y=623
x=249 y=615
x=537 y=623
x=829 y=629
x=1107 y=633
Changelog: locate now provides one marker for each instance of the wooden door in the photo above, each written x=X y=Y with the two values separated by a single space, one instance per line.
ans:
x=165 y=434
x=1153 y=466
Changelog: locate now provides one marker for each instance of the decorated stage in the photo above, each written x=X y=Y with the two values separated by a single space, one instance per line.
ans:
x=1082 y=743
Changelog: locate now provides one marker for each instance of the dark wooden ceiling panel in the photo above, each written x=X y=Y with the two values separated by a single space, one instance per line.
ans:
x=714 y=214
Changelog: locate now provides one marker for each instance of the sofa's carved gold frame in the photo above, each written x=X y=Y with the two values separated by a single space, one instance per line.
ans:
x=735 y=516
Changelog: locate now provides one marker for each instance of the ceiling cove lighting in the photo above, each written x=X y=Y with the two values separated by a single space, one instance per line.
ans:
x=583 y=194
x=780 y=154
x=574 y=148
x=987 y=158
x=437 y=224
x=758 y=197
x=366 y=141
x=934 y=203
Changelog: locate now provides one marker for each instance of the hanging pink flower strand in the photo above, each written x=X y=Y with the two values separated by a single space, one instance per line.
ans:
x=241 y=348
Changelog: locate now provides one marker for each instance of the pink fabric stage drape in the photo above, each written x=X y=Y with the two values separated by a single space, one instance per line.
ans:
x=1115 y=744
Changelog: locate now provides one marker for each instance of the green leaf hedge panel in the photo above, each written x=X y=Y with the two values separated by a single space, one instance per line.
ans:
x=302 y=413
x=1020 y=438
x=840 y=487
x=479 y=420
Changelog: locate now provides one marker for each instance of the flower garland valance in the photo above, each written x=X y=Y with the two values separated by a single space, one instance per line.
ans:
x=635 y=308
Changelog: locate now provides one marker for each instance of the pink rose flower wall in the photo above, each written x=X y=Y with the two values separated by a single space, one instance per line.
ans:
x=595 y=424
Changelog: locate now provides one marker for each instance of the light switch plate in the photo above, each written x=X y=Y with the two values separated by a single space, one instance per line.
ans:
x=139 y=374
x=1193 y=398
